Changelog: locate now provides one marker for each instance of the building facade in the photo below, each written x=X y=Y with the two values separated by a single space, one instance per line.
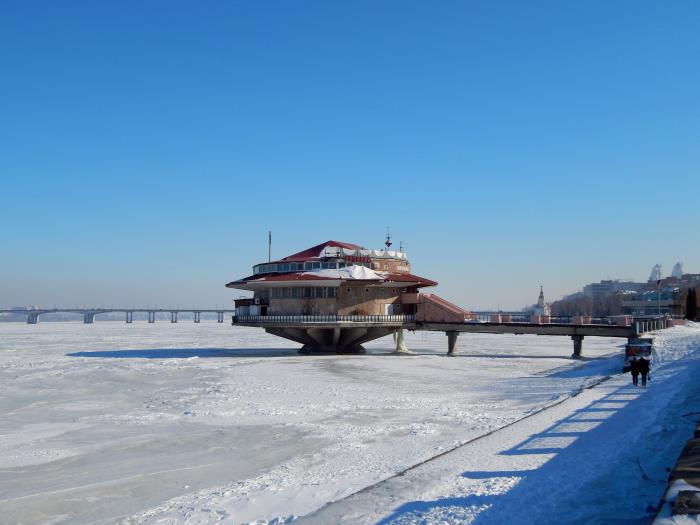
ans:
x=336 y=295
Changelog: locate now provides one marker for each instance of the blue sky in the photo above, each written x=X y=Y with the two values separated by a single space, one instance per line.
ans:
x=147 y=147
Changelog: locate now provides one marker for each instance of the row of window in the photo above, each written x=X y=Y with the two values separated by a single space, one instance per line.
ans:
x=299 y=267
x=316 y=292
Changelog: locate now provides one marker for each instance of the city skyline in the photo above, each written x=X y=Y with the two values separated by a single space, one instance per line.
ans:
x=147 y=149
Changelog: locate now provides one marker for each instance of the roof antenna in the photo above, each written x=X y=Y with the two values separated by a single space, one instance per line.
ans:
x=388 y=242
x=401 y=246
x=269 y=245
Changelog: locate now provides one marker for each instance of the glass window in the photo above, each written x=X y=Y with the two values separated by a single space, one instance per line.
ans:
x=307 y=266
x=308 y=292
x=332 y=292
x=316 y=265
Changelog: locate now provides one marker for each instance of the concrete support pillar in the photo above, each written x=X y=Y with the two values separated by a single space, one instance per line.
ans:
x=151 y=317
x=32 y=318
x=129 y=317
x=196 y=316
x=219 y=317
x=578 y=346
x=401 y=347
x=173 y=317
x=88 y=318
x=452 y=343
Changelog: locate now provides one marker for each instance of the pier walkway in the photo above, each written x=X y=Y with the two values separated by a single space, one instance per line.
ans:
x=299 y=327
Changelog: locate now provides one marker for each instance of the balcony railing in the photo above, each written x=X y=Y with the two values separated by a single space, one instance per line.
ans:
x=323 y=319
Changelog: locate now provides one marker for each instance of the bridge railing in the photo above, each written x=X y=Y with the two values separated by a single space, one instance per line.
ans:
x=322 y=319
x=553 y=319
x=650 y=325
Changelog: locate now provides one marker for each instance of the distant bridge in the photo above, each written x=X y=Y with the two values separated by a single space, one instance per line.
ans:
x=90 y=313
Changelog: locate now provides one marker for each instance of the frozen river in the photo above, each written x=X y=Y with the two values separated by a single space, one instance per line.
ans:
x=186 y=423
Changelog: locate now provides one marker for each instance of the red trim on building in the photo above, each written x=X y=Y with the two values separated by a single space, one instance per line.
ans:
x=301 y=276
x=314 y=251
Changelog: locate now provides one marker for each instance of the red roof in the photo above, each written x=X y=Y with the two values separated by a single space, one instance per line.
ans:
x=315 y=251
x=301 y=276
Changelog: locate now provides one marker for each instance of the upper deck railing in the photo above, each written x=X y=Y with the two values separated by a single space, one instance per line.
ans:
x=323 y=319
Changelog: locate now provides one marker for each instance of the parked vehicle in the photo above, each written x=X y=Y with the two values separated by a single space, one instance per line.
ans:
x=640 y=347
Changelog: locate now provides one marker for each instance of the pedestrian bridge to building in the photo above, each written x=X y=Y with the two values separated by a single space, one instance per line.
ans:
x=346 y=333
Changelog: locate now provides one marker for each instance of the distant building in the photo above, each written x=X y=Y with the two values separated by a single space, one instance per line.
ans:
x=677 y=271
x=542 y=308
x=605 y=288
x=655 y=274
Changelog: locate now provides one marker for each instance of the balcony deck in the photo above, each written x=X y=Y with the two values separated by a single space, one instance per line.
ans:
x=326 y=321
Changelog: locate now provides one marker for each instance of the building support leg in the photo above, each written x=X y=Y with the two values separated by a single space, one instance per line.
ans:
x=578 y=345
x=219 y=317
x=401 y=347
x=196 y=316
x=88 y=318
x=151 y=317
x=452 y=343
x=173 y=317
x=129 y=317
x=32 y=319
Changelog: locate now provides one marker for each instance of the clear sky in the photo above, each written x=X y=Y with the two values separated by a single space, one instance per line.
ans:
x=147 y=147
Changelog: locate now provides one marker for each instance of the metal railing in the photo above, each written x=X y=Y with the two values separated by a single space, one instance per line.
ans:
x=322 y=319
x=641 y=327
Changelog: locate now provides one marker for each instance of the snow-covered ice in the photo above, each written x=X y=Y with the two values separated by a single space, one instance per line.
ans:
x=203 y=423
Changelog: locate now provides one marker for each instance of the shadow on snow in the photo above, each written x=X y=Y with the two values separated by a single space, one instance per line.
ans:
x=186 y=353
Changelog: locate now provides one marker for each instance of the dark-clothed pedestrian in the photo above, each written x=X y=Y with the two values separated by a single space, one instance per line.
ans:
x=643 y=367
x=634 y=369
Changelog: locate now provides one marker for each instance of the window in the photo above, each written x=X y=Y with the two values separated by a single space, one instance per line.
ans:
x=332 y=292
x=366 y=290
x=308 y=266
x=316 y=265
x=347 y=290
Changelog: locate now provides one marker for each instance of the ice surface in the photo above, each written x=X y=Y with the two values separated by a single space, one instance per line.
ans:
x=201 y=423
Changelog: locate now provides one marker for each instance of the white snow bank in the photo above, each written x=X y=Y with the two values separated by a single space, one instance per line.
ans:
x=675 y=343
x=348 y=273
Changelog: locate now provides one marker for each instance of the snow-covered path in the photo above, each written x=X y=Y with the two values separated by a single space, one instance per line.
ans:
x=598 y=457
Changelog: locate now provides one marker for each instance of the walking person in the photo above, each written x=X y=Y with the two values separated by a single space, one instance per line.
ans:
x=643 y=368
x=634 y=369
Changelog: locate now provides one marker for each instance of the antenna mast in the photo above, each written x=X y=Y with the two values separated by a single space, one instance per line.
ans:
x=269 y=245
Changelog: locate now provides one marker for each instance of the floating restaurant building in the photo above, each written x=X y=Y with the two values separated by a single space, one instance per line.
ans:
x=335 y=296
